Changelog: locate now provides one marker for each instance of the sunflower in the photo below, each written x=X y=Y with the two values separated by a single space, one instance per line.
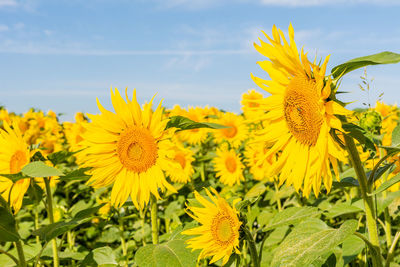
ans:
x=259 y=168
x=228 y=166
x=197 y=114
x=129 y=149
x=251 y=103
x=390 y=118
x=218 y=235
x=14 y=156
x=236 y=131
x=184 y=170
x=300 y=115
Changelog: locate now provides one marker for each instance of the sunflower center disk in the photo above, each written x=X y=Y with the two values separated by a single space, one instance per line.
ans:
x=302 y=113
x=230 y=164
x=230 y=132
x=222 y=229
x=181 y=159
x=18 y=160
x=137 y=149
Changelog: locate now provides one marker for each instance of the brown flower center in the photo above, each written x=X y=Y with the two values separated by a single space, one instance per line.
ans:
x=137 y=149
x=301 y=110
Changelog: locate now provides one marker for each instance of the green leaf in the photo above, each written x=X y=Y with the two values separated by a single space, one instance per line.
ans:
x=300 y=248
x=387 y=184
x=183 y=123
x=358 y=133
x=340 y=209
x=59 y=156
x=40 y=169
x=257 y=190
x=290 y=216
x=103 y=256
x=7 y=227
x=51 y=231
x=352 y=246
x=172 y=253
x=356 y=63
x=396 y=136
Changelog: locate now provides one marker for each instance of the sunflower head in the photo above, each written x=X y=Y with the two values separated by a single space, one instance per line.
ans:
x=15 y=155
x=218 y=234
x=129 y=148
x=228 y=166
x=299 y=115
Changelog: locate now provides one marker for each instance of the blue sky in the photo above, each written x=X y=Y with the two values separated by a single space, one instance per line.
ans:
x=62 y=54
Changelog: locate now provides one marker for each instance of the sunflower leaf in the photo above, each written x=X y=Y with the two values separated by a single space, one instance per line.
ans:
x=7 y=227
x=40 y=169
x=171 y=253
x=290 y=216
x=53 y=230
x=312 y=245
x=387 y=184
x=356 y=63
x=183 y=123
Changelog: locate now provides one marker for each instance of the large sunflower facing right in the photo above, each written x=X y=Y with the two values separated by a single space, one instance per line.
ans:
x=300 y=115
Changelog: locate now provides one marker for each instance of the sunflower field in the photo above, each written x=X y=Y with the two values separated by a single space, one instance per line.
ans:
x=296 y=179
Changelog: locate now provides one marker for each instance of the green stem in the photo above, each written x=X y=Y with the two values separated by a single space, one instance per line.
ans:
x=56 y=261
x=365 y=190
x=21 y=254
x=278 y=199
x=142 y=214
x=123 y=243
x=154 y=222
x=252 y=247
x=9 y=255
x=391 y=250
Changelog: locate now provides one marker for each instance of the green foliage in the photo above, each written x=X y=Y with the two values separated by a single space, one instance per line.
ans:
x=51 y=231
x=291 y=216
x=171 y=253
x=183 y=123
x=40 y=169
x=356 y=63
x=8 y=231
x=303 y=245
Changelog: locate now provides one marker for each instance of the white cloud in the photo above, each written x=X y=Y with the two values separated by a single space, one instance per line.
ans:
x=8 y=3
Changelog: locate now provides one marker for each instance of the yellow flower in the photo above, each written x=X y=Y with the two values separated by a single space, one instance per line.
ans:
x=390 y=120
x=218 y=235
x=251 y=105
x=300 y=115
x=228 y=166
x=237 y=131
x=73 y=134
x=183 y=171
x=129 y=148
x=197 y=114
x=14 y=156
x=259 y=168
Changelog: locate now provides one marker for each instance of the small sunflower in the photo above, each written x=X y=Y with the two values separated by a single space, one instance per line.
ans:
x=14 y=156
x=197 y=114
x=251 y=103
x=258 y=167
x=129 y=148
x=300 y=115
x=218 y=234
x=236 y=131
x=228 y=166
x=184 y=170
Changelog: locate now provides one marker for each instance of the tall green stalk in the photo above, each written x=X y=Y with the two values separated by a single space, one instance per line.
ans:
x=252 y=247
x=21 y=254
x=367 y=199
x=56 y=261
x=154 y=219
